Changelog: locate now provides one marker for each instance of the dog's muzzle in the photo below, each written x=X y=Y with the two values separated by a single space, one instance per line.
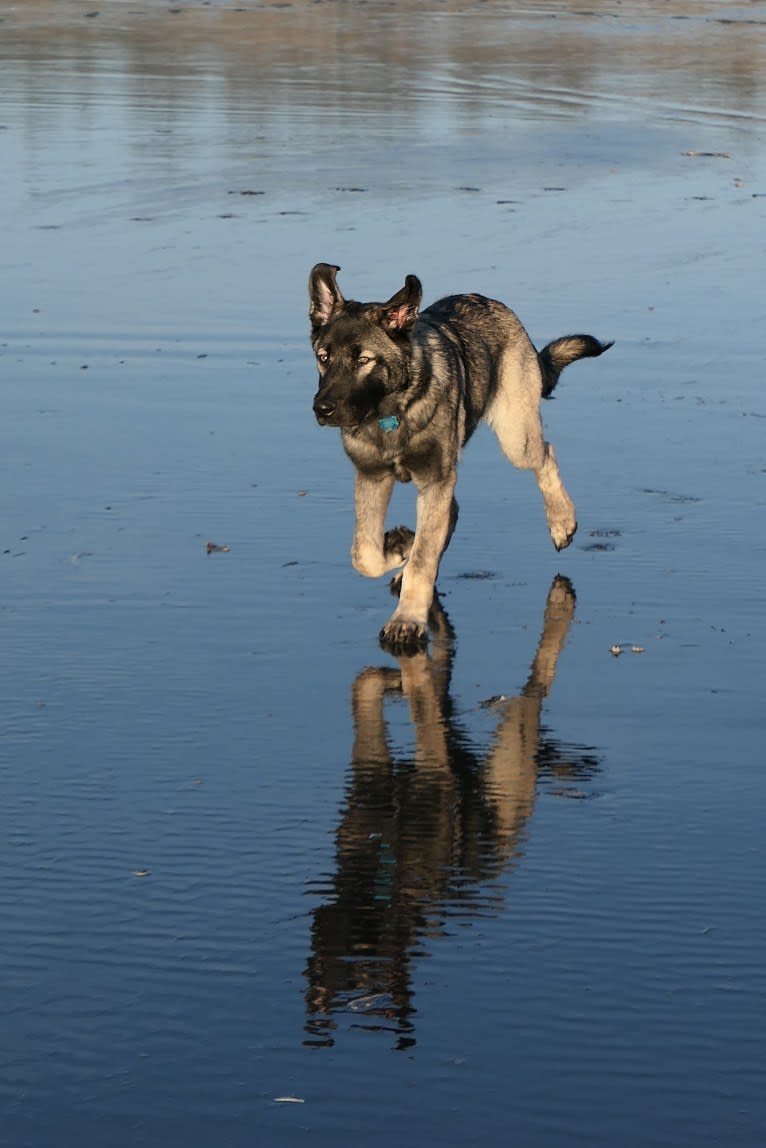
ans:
x=324 y=410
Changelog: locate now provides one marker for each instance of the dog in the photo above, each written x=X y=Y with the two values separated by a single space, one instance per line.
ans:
x=407 y=388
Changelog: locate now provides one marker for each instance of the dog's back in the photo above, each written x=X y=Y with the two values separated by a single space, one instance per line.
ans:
x=485 y=338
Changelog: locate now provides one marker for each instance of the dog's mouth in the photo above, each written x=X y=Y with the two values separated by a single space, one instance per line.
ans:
x=334 y=419
x=350 y=407
x=327 y=412
x=329 y=415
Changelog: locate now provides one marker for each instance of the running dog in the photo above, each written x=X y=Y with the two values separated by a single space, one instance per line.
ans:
x=407 y=389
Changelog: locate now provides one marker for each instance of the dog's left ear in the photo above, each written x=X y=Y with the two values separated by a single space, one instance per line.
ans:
x=324 y=294
x=401 y=310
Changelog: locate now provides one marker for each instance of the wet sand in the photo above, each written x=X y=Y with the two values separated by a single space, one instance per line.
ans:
x=512 y=888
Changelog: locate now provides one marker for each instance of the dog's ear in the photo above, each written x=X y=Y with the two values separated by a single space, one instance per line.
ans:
x=324 y=293
x=401 y=310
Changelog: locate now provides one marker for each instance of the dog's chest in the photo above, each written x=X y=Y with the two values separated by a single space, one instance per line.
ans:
x=401 y=469
x=381 y=454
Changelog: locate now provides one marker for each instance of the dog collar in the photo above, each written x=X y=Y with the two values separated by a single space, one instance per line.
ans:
x=388 y=423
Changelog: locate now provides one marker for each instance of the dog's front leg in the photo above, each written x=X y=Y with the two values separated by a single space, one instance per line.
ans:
x=405 y=631
x=374 y=552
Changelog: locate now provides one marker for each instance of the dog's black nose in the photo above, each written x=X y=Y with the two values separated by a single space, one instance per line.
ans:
x=323 y=408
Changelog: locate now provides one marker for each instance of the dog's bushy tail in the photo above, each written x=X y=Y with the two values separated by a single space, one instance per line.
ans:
x=561 y=352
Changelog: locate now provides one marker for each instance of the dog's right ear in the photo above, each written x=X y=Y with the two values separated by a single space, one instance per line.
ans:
x=324 y=293
x=401 y=311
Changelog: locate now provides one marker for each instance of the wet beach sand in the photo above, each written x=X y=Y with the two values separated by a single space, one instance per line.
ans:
x=262 y=882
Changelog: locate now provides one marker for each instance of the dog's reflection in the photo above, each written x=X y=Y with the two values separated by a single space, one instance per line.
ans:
x=422 y=832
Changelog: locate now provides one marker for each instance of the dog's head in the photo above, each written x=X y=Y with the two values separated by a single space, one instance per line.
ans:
x=361 y=348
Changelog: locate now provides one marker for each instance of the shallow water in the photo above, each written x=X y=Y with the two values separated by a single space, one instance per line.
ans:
x=509 y=890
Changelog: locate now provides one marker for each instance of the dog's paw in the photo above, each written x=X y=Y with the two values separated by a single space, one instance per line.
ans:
x=397 y=543
x=403 y=636
x=563 y=533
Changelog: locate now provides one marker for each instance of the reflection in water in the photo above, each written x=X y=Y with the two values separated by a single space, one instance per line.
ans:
x=470 y=51
x=280 y=81
x=421 y=833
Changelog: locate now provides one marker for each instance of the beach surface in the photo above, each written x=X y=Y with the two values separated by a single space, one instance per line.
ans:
x=262 y=882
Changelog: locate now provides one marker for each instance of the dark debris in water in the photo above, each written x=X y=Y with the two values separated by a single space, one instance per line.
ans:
x=599 y=544
x=495 y=700
x=570 y=792
x=618 y=648
x=476 y=575
x=739 y=20
x=670 y=496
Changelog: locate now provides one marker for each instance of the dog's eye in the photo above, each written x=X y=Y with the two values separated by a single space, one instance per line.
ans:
x=322 y=357
x=363 y=360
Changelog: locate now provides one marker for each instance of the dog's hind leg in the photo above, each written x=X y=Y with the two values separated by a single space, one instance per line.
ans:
x=539 y=456
x=374 y=550
x=559 y=508
x=514 y=415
